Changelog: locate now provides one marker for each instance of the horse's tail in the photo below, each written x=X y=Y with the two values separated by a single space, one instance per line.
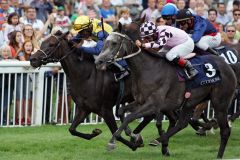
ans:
x=236 y=69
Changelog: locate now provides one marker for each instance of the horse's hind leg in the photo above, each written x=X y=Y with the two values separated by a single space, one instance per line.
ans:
x=112 y=125
x=78 y=118
x=184 y=117
x=225 y=130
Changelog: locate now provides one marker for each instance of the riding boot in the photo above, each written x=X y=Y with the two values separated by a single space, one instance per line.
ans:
x=212 y=51
x=187 y=65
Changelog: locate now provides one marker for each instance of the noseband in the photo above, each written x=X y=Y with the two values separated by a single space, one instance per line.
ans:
x=124 y=36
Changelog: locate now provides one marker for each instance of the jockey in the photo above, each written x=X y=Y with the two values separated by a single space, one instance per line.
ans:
x=169 y=12
x=203 y=33
x=86 y=28
x=169 y=39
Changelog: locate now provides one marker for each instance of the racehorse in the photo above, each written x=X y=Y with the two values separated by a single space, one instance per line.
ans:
x=92 y=90
x=158 y=88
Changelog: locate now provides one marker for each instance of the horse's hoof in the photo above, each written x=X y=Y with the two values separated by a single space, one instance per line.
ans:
x=138 y=140
x=166 y=152
x=201 y=132
x=96 y=131
x=154 y=143
x=230 y=124
x=111 y=146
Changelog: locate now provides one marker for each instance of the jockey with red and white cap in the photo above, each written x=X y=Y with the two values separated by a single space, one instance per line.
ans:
x=169 y=39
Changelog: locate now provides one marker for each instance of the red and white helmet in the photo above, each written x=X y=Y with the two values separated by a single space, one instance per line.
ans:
x=148 y=29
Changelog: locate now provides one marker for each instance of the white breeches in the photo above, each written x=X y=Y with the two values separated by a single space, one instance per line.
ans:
x=180 y=50
x=209 y=41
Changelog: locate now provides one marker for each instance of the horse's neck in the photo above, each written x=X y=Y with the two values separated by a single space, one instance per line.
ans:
x=76 y=69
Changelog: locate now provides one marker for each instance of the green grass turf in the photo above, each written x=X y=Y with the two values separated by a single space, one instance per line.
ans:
x=56 y=143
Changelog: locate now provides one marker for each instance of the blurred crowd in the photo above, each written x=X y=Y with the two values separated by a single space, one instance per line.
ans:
x=25 y=23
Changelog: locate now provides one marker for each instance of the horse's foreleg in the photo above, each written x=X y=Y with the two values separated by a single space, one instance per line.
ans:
x=112 y=125
x=78 y=118
x=144 y=110
x=143 y=124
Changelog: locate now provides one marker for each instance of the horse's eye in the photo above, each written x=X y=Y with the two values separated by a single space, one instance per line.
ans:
x=114 y=43
x=51 y=45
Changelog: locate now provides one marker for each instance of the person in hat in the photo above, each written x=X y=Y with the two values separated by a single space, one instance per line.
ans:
x=62 y=20
x=170 y=40
x=98 y=31
x=169 y=12
x=203 y=33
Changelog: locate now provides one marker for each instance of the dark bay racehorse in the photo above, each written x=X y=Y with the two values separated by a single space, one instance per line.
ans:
x=92 y=90
x=158 y=88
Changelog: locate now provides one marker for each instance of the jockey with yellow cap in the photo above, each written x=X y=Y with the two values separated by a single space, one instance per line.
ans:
x=99 y=31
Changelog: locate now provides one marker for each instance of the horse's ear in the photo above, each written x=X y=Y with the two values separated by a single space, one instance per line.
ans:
x=64 y=35
x=120 y=27
x=142 y=19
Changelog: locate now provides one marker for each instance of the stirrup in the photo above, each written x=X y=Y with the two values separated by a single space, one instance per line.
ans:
x=190 y=76
x=121 y=75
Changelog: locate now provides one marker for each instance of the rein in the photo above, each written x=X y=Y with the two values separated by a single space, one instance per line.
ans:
x=48 y=58
x=115 y=58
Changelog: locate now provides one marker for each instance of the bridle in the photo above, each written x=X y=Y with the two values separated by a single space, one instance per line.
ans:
x=124 y=36
x=48 y=57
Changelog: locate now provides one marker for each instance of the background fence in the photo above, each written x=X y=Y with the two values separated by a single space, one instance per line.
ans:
x=39 y=96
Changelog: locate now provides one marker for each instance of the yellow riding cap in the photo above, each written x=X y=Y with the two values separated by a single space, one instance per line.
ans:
x=84 y=22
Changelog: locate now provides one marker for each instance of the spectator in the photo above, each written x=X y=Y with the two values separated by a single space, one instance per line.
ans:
x=232 y=5
x=23 y=97
x=62 y=20
x=43 y=8
x=12 y=25
x=181 y=4
x=222 y=17
x=200 y=10
x=5 y=8
x=237 y=35
x=90 y=9
x=148 y=12
x=136 y=8
x=31 y=18
x=15 y=42
x=18 y=8
x=160 y=21
x=108 y=13
x=125 y=18
x=6 y=85
x=212 y=15
x=157 y=12
x=29 y=35
x=192 y=6
x=231 y=31
x=224 y=38
x=236 y=16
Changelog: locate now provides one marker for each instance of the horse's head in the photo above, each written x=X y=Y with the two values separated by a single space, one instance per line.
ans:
x=50 y=50
x=117 y=46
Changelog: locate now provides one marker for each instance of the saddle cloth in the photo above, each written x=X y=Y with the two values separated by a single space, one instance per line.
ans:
x=208 y=72
x=230 y=55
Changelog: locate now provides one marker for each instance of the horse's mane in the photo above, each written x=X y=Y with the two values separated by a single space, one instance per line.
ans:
x=75 y=51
